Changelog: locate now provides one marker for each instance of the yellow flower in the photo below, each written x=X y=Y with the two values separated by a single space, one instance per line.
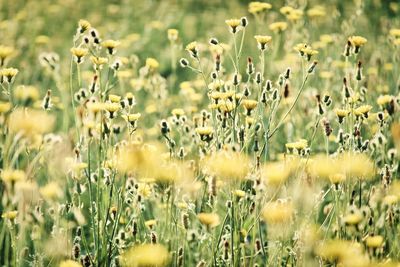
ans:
x=278 y=212
x=11 y=215
x=384 y=99
x=299 y=145
x=353 y=219
x=357 y=42
x=9 y=74
x=12 y=176
x=192 y=49
x=275 y=174
x=374 y=241
x=239 y=193
x=84 y=25
x=395 y=32
x=341 y=114
x=249 y=105
x=98 y=61
x=362 y=110
x=209 y=219
x=337 y=178
x=30 y=121
x=286 y=10
x=5 y=107
x=258 y=7
x=278 y=26
x=262 y=41
x=317 y=11
x=205 y=133
x=5 y=52
x=51 y=191
x=173 y=34
x=26 y=93
x=79 y=53
x=150 y=223
x=110 y=45
x=152 y=63
x=145 y=255
x=234 y=25
x=228 y=165
x=132 y=118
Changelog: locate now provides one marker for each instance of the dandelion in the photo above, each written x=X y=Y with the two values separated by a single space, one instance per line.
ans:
x=30 y=122
x=84 y=25
x=5 y=107
x=10 y=215
x=152 y=64
x=228 y=165
x=205 y=133
x=98 y=62
x=341 y=114
x=12 y=176
x=374 y=241
x=249 y=105
x=278 y=212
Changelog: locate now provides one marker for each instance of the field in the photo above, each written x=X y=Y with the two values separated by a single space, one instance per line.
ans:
x=141 y=133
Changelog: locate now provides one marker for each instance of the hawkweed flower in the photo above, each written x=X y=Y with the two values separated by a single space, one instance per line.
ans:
x=249 y=105
x=172 y=35
x=362 y=110
x=26 y=94
x=10 y=215
x=374 y=242
x=98 y=62
x=257 y=7
x=145 y=255
x=79 y=53
x=357 y=42
x=112 y=108
x=152 y=64
x=8 y=74
x=192 y=49
x=278 y=27
x=341 y=114
x=262 y=41
x=210 y=220
x=205 y=133
x=234 y=25
x=278 y=212
x=5 y=107
x=111 y=46
x=5 y=53
x=83 y=26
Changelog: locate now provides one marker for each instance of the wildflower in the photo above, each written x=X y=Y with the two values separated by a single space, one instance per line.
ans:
x=110 y=45
x=286 y=10
x=84 y=25
x=30 y=121
x=51 y=191
x=337 y=178
x=353 y=219
x=5 y=107
x=278 y=26
x=239 y=193
x=338 y=250
x=210 y=220
x=395 y=32
x=363 y=110
x=384 y=100
x=317 y=11
x=12 y=176
x=258 y=7
x=341 y=114
x=192 y=49
x=262 y=41
x=374 y=241
x=178 y=112
x=234 y=25
x=205 y=133
x=9 y=74
x=357 y=42
x=249 y=105
x=150 y=223
x=228 y=165
x=299 y=145
x=278 y=212
x=79 y=54
x=5 y=52
x=112 y=108
x=275 y=174
x=152 y=64
x=172 y=35
x=145 y=255
x=26 y=94
x=98 y=62
x=132 y=118
x=11 y=215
